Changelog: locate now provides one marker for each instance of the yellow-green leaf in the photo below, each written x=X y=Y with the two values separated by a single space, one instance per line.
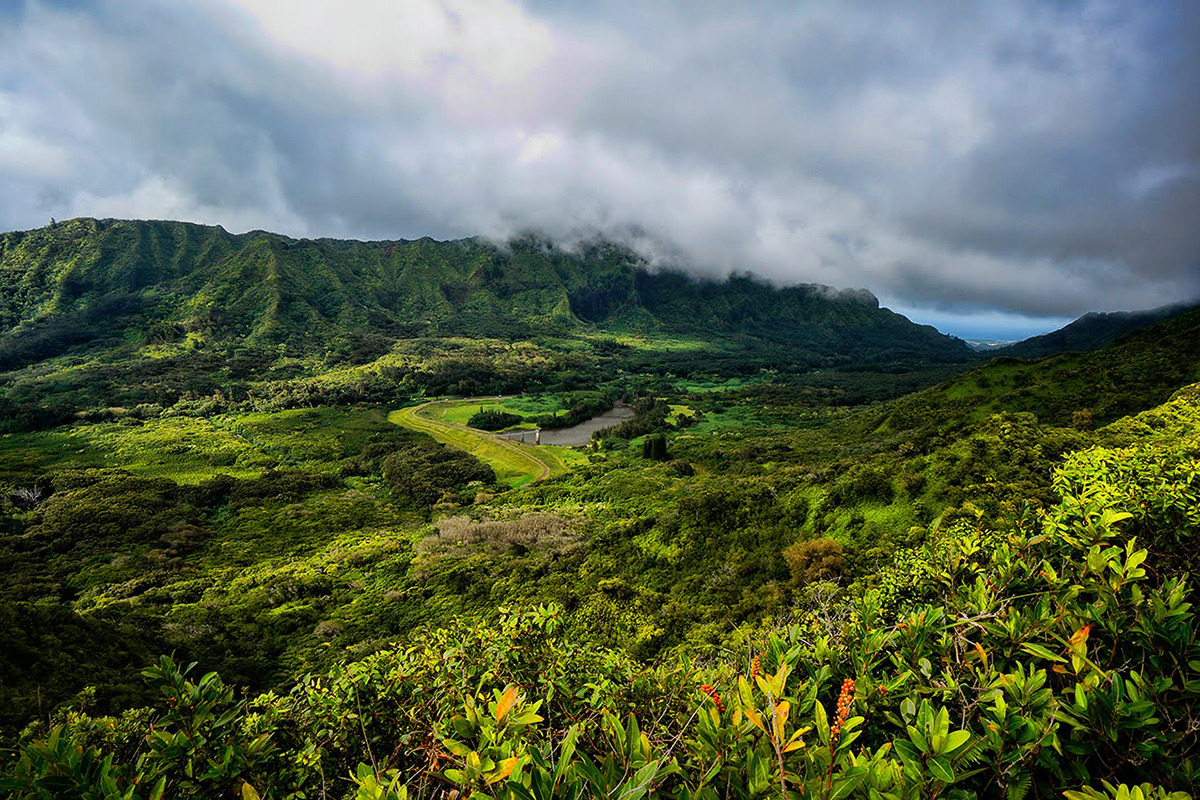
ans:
x=781 y=714
x=505 y=703
x=504 y=770
x=753 y=715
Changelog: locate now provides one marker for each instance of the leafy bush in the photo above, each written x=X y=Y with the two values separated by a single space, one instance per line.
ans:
x=421 y=473
x=492 y=420
x=654 y=447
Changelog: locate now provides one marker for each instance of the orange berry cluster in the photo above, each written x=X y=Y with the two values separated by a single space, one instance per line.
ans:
x=714 y=696
x=845 y=699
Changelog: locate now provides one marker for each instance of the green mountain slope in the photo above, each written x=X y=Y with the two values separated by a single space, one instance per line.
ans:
x=88 y=281
x=1090 y=332
x=1136 y=372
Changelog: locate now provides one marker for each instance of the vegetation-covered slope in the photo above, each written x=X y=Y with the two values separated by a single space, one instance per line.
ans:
x=1089 y=332
x=1136 y=372
x=97 y=315
x=1051 y=654
x=190 y=282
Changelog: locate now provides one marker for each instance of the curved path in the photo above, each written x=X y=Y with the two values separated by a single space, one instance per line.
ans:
x=494 y=450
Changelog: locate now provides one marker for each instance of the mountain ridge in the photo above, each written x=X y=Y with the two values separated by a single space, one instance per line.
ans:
x=1091 y=331
x=267 y=288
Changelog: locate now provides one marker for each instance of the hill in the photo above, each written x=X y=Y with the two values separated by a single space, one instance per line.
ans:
x=1044 y=654
x=1090 y=332
x=1134 y=373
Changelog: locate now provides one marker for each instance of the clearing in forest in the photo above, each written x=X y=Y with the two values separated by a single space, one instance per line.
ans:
x=514 y=463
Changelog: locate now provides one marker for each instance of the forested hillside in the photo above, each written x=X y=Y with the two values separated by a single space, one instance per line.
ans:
x=818 y=552
x=1090 y=332
x=110 y=282
x=103 y=314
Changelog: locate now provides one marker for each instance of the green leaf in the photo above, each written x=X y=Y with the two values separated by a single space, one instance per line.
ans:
x=639 y=785
x=956 y=739
x=940 y=767
x=1041 y=652
x=567 y=752
x=919 y=739
x=846 y=784
x=909 y=755
x=822 y=722
x=458 y=748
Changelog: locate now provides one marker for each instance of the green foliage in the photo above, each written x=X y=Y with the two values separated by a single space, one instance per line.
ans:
x=196 y=743
x=1027 y=660
x=422 y=473
x=493 y=420
x=654 y=447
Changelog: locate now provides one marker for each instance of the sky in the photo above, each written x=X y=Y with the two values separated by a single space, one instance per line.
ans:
x=992 y=168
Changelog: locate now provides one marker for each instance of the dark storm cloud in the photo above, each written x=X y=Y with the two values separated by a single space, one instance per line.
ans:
x=1011 y=157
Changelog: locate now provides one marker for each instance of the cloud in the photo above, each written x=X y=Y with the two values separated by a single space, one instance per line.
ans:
x=1013 y=158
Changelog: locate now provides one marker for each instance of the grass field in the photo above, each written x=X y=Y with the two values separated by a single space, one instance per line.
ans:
x=191 y=450
x=514 y=463
x=459 y=412
x=676 y=410
x=183 y=449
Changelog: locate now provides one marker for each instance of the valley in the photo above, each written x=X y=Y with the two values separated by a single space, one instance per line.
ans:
x=285 y=461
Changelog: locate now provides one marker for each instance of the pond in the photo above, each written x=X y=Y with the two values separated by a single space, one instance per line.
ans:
x=576 y=435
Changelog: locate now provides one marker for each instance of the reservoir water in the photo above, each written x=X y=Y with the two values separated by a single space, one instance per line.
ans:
x=576 y=435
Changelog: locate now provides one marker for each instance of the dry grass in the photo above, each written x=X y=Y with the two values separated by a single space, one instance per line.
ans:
x=530 y=533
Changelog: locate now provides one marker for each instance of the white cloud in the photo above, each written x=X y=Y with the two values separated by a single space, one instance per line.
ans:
x=378 y=40
x=164 y=197
x=470 y=58
x=25 y=156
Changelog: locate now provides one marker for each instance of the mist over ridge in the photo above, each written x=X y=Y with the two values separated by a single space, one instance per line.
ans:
x=1025 y=160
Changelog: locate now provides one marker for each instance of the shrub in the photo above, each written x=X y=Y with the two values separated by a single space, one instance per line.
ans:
x=421 y=473
x=654 y=447
x=492 y=420
x=815 y=559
